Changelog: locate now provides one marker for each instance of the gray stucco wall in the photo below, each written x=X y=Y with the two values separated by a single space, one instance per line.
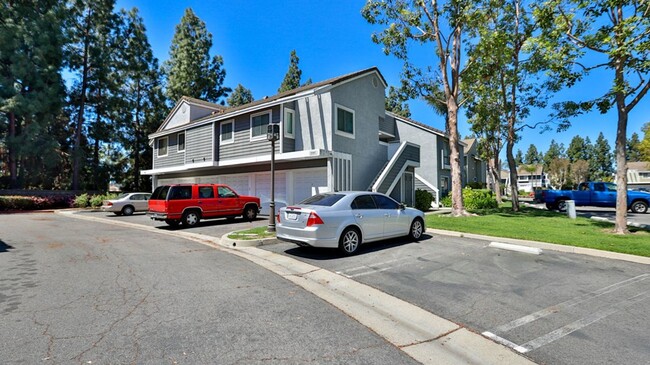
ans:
x=410 y=153
x=367 y=101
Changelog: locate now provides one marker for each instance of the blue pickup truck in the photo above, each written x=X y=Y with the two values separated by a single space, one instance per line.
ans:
x=599 y=194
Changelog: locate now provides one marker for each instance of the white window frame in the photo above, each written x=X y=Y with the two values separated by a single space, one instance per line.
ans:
x=178 y=144
x=291 y=134
x=223 y=141
x=263 y=135
x=166 y=138
x=336 y=121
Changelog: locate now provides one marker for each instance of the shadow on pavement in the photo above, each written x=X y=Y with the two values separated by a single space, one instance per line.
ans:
x=210 y=223
x=4 y=247
x=318 y=253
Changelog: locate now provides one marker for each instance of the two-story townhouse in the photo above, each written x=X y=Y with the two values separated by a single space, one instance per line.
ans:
x=530 y=177
x=474 y=167
x=638 y=175
x=330 y=141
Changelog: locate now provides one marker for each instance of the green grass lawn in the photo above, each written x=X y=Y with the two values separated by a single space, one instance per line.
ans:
x=545 y=226
x=252 y=234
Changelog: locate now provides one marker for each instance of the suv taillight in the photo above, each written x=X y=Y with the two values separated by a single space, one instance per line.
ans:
x=314 y=219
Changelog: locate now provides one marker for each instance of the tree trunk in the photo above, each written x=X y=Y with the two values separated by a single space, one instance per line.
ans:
x=13 y=175
x=512 y=166
x=457 y=205
x=76 y=166
x=621 y=167
x=495 y=174
x=136 y=147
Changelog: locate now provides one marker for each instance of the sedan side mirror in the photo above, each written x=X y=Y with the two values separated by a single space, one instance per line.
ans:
x=401 y=206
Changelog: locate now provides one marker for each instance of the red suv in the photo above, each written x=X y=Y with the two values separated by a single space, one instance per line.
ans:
x=189 y=203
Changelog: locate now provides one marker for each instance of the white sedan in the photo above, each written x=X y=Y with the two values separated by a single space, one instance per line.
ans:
x=345 y=220
x=127 y=203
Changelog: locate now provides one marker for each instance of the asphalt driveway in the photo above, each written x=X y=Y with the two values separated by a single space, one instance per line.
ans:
x=556 y=308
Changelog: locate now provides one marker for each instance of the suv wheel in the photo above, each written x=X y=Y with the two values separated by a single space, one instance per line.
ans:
x=191 y=218
x=639 y=207
x=250 y=213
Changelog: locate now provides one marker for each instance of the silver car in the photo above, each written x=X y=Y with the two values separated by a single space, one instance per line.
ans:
x=345 y=220
x=126 y=204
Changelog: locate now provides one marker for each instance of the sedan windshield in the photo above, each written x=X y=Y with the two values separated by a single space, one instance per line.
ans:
x=323 y=199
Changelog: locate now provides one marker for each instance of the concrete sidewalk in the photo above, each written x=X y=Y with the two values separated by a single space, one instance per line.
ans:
x=424 y=336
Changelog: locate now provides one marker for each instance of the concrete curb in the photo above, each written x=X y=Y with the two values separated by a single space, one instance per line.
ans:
x=548 y=246
x=629 y=223
x=425 y=337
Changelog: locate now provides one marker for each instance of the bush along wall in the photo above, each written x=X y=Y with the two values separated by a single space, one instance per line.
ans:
x=15 y=202
x=423 y=200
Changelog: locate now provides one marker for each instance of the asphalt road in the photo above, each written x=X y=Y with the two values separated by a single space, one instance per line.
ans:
x=556 y=308
x=79 y=292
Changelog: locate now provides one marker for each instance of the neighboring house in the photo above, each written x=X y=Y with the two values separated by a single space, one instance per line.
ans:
x=530 y=177
x=475 y=169
x=334 y=136
x=638 y=175
x=434 y=172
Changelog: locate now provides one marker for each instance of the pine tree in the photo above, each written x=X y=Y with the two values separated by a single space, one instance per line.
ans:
x=292 y=77
x=532 y=155
x=31 y=91
x=519 y=158
x=633 y=153
x=90 y=29
x=644 y=145
x=143 y=103
x=396 y=103
x=240 y=96
x=555 y=151
x=577 y=150
x=602 y=167
x=190 y=71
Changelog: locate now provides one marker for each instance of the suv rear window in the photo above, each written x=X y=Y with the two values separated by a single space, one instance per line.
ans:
x=160 y=193
x=180 y=192
x=326 y=200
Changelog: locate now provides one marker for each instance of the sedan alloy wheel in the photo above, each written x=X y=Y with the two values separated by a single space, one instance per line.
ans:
x=350 y=241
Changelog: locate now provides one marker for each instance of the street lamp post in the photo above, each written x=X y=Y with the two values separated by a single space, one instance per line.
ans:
x=272 y=134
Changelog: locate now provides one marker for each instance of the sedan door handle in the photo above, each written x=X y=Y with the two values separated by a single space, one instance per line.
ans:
x=358 y=216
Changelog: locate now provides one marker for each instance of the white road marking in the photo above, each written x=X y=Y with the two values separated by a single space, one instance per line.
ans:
x=505 y=342
x=581 y=323
x=569 y=303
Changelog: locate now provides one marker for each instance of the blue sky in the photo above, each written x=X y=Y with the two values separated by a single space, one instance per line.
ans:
x=331 y=38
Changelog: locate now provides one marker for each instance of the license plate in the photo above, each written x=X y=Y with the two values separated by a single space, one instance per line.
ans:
x=292 y=216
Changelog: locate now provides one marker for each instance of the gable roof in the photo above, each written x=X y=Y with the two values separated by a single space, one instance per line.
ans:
x=225 y=112
x=192 y=101
x=537 y=169
x=639 y=166
x=423 y=126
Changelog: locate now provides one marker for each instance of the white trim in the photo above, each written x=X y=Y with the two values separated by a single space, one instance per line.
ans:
x=286 y=111
x=383 y=143
x=177 y=141
x=336 y=121
x=290 y=156
x=408 y=163
x=390 y=165
x=250 y=131
x=158 y=146
x=430 y=186
x=232 y=138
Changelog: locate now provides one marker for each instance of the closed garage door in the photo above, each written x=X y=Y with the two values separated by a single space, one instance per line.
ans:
x=309 y=182
x=237 y=182
x=263 y=190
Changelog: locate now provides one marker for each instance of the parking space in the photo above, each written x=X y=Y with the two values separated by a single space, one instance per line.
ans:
x=214 y=227
x=556 y=308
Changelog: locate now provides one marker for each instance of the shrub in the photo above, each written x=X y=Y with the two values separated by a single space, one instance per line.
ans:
x=17 y=202
x=96 y=201
x=445 y=201
x=423 y=200
x=479 y=199
x=81 y=201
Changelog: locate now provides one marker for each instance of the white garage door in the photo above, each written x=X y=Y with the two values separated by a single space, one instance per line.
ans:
x=309 y=182
x=263 y=190
x=237 y=182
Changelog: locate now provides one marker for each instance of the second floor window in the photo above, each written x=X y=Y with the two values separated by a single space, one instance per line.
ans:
x=227 y=134
x=288 y=123
x=259 y=125
x=181 y=142
x=162 y=146
x=344 y=121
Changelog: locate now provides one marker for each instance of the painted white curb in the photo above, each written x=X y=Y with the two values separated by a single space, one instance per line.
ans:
x=517 y=248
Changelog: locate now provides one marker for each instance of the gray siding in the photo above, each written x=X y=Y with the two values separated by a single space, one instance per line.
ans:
x=243 y=147
x=173 y=158
x=198 y=143
x=289 y=144
x=387 y=124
